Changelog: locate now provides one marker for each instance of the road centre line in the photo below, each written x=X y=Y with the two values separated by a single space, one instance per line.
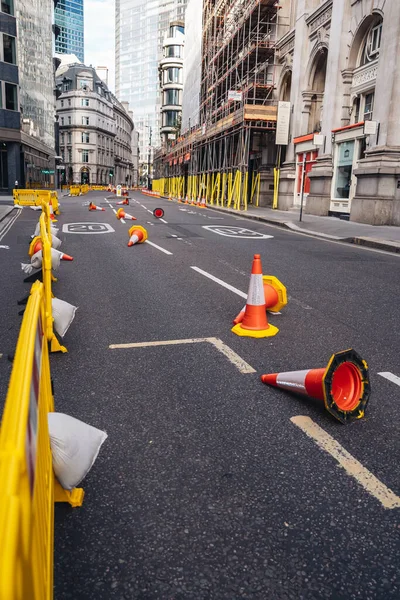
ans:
x=163 y=220
x=230 y=354
x=390 y=377
x=351 y=465
x=225 y=285
x=158 y=247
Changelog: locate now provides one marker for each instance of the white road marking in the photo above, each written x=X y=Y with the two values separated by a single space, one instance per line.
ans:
x=351 y=465
x=163 y=220
x=143 y=206
x=159 y=247
x=237 y=232
x=173 y=235
x=225 y=285
x=10 y=224
x=150 y=211
x=230 y=354
x=390 y=377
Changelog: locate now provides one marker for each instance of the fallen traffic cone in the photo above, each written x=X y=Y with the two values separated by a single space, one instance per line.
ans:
x=94 y=207
x=52 y=216
x=125 y=201
x=36 y=244
x=275 y=296
x=137 y=235
x=121 y=214
x=255 y=323
x=343 y=385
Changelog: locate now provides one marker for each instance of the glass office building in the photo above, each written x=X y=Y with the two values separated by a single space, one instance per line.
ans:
x=139 y=36
x=69 y=18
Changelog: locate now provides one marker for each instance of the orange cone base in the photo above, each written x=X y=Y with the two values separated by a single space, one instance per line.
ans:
x=254 y=333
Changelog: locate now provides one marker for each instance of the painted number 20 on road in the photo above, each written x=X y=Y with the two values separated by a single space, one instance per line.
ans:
x=87 y=228
x=237 y=232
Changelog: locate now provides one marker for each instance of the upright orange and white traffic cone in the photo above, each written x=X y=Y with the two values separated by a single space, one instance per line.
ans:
x=343 y=385
x=186 y=199
x=275 y=297
x=137 y=235
x=121 y=214
x=255 y=323
x=203 y=203
x=170 y=197
x=94 y=207
x=124 y=201
x=52 y=216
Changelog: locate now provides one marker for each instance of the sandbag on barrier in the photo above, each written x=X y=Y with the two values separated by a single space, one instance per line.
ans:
x=37 y=259
x=75 y=446
x=63 y=315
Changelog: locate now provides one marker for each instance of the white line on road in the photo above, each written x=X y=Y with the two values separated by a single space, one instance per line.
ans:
x=163 y=220
x=150 y=211
x=158 y=247
x=225 y=285
x=10 y=224
x=390 y=377
x=230 y=354
x=351 y=465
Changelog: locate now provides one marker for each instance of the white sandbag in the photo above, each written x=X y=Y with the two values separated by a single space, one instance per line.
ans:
x=27 y=268
x=53 y=230
x=55 y=242
x=36 y=207
x=74 y=447
x=63 y=315
x=37 y=259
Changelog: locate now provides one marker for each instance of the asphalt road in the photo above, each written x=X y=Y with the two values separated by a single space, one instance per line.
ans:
x=205 y=487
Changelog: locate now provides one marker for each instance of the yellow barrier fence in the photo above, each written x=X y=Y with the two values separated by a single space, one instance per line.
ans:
x=74 y=190
x=84 y=189
x=28 y=486
x=36 y=197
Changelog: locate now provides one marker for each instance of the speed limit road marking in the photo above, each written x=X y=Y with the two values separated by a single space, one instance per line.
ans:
x=237 y=232
x=87 y=228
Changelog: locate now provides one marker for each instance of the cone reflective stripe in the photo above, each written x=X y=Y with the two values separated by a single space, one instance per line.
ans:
x=137 y=235
x=275 y=296
x=126 y=201
x=255 y=323
x=94 y=207
x=343 y=385
x=121 y=214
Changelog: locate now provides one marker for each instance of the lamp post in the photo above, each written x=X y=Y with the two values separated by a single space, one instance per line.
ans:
x=148 y=161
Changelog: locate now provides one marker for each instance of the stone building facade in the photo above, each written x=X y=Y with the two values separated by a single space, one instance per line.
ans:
x=95 y=136
x=338 y=64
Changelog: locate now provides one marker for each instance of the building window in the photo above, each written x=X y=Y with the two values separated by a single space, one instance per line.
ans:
x=70 y=155
x=85 y=102
x=11 y=96
x=174 y=51
x=9 y=49
x=85 y=120
x=85 y=138
x=69 y=101
x=171 y=97
x=172 y=75
x=61 y=138
x=344 y=169
x=170 y=118
x=62 y=103
x=85 y=156
x=69 y=120
x=7 y=6
x=368 y=106
x=372 y=44
x=66 y=86
x=62 y=120
x=69 y=137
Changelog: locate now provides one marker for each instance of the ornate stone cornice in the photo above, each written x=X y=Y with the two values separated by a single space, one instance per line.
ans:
x=321 y=16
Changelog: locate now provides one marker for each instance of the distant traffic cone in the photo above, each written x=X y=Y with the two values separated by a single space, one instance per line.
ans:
x=275 y=296
x=255 y=323
x=170 y=197
x=52 y=216
x=180 y=200
x=198 y=201
x=121 y=214
x=187 y=200
x=137 y=235
x=124 y=201
x=94 y=207
x=203 y=203
x=343 y=385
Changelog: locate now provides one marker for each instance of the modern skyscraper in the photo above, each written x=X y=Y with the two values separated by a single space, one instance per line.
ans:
x=69 y=18
x=140 y=26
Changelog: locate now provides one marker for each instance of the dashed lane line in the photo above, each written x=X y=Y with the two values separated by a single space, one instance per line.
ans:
x=220 y=282
x=159 y=248
x=390 y=377
x=230 y=354
x=351 y=465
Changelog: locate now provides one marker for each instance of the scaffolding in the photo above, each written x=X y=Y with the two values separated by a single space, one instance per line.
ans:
x=238 y=108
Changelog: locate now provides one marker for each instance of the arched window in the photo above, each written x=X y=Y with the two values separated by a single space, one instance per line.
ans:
x=372 y=44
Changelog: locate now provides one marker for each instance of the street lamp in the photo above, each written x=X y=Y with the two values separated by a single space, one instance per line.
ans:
x=148 y=161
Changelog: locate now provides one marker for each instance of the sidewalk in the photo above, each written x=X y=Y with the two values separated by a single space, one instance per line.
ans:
x=381 y=237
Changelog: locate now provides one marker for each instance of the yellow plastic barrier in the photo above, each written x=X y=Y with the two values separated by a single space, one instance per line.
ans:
x=28 y=486
x=84 y=189
x=74 y=190
x=55 y=345
x=36 y=197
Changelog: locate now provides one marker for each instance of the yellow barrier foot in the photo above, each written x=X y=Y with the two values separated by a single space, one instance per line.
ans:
x=74 y=497
x=53 y=278
x=55 y=345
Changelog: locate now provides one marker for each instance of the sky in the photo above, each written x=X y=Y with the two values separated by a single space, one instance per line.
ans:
x=99 y=36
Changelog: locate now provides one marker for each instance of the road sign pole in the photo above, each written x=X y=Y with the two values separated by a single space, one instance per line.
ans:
x=302 y=186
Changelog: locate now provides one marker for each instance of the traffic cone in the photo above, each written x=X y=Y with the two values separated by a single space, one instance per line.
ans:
x=124 y=201
x=52 y=216
x=180 y=200
x=186 y=200
x=137 y=235
x=343 y=385
x=121 y=214
x=255 y=323
x=203 y=203
x=36 y=244
x=94 y=207
x=275 y=296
